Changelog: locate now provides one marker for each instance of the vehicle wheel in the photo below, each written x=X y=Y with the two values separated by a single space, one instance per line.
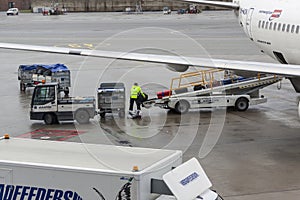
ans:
x=242 y=104
x=49 y=118
x=122 y=114
x=299 y=108
x=22 y=87
x=82 y=116
x=102 y=114
x=182 y=107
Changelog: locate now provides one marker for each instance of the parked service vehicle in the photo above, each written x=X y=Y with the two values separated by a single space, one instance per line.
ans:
x=31 y=75
x=181 y=11
x=12 y=11
x=39 y=169
x=166 y=10
x=51 y=103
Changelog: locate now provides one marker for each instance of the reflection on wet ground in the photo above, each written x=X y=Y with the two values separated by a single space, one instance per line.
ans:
x=51 y=134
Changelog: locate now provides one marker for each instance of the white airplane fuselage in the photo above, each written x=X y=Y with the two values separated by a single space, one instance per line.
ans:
x=274 y=25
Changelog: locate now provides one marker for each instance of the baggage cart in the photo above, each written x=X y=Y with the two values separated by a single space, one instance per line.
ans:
x=111 y=99
x=31 y=75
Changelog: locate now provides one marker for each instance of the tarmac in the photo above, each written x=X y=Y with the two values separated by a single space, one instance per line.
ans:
x=247 y=155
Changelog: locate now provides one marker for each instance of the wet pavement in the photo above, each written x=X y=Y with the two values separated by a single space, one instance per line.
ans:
x=247 y=155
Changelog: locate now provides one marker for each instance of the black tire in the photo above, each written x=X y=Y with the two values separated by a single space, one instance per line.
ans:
x=182 y=107
x=102 y=114
x=49 y=118
x=82 y=116
x=299 y=108
x=22 y=86
x=242 y=104
x=122 y=113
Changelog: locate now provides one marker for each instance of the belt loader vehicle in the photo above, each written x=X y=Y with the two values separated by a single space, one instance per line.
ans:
x=206 y=92
x=49 y=170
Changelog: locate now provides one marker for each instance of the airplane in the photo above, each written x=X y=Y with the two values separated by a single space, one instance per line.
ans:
x=274 y=27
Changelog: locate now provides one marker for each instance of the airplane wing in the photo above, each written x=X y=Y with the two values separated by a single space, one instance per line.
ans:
x=215 y=3
x=176 y=63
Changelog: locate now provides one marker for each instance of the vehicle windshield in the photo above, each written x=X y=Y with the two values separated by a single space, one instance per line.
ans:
x=43 y=95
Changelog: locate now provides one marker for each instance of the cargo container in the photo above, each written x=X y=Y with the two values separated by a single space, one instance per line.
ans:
x=39 y=169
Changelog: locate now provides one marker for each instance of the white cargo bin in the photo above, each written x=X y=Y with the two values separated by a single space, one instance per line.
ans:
x=65 y=170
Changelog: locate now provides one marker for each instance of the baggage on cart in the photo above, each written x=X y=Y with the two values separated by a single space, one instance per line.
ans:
x=31 y=75
x=111 y=98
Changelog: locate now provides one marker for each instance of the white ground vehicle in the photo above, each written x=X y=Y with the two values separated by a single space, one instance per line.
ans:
x=51 y=104
x=166 y=11
x=37 y=169
x=12 y=11
x=239 y=102
x=234 y=92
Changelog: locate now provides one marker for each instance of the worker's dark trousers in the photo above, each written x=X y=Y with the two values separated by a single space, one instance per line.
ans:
x=138 y=105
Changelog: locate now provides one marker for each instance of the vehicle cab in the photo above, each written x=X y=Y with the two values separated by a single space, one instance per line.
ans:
x=51 y=103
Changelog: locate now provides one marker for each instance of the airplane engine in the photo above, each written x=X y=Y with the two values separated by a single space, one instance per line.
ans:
x=177 y=68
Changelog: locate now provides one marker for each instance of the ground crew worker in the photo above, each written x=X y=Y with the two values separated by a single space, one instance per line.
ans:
x=134 y=94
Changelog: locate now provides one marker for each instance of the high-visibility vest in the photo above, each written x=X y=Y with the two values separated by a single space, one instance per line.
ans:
x=135 y=90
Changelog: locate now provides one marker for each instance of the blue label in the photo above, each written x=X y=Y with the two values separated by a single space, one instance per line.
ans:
x=189 y=179
x=11 y=192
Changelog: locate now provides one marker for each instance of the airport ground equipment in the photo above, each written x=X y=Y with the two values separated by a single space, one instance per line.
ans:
x=31 y=75
x=51 y=104
x=39 y=169
x=201 y=89
x=111 y=99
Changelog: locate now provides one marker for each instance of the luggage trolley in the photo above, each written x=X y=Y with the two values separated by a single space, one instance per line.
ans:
x=111 y=99
x=32 y=75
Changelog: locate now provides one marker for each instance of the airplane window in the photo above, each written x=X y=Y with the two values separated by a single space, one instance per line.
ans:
x=283 y=27
x=288 y=28
x=259 y=23
x=293 y=29
x=267 y=24
x=274 y=27
x=279 y=26
x=297 y=29
x=263 y=24
x=270 y=27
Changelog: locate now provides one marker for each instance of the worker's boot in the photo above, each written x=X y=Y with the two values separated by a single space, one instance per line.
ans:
x=139 y=113
x=131 y=114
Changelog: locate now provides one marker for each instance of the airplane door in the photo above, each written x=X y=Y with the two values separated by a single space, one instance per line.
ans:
x=248 y=22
